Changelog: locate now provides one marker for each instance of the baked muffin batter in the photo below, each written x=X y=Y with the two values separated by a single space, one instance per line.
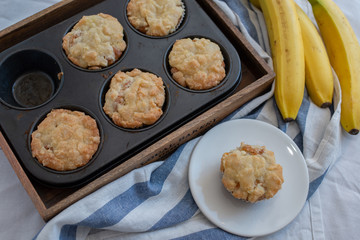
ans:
x=65 y=140
x=197 y=63
x=135 y=99
x=155 y=17
x=96 y=41
x=251 y=173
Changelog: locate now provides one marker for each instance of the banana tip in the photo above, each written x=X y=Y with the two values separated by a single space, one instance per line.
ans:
x=288 y=119
x=354 y=131
x=326 y=104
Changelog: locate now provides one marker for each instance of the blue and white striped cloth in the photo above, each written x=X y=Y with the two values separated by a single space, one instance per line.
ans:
x=155 y=202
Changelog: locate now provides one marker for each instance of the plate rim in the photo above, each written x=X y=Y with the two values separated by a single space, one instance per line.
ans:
x=223 y=226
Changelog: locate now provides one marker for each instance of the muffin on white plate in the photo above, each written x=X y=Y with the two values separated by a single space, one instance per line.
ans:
x=251 y=173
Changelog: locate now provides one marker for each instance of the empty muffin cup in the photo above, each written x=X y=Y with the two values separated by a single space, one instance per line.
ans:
x=29 y=79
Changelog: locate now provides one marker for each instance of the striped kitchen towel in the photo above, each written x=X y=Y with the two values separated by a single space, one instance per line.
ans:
x=155 y=202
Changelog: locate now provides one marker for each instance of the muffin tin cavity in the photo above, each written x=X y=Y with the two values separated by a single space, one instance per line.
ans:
x=102 y=69
x=227 y=62
x=179 y=27
x=29 y=78
x=94 y=68
x=75 y=88
x=43 y=170
x=104 y=90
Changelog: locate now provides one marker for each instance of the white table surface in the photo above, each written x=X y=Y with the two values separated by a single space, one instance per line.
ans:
x=335 y=205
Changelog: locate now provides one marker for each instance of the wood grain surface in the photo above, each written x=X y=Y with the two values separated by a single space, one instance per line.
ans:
x=257 y=77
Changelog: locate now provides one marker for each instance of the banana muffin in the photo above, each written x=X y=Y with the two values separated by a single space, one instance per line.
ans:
x=155 y=18
x=251 y=173
x=65 y=140
x=95 y=42
x=197 y=63
x=135 y=98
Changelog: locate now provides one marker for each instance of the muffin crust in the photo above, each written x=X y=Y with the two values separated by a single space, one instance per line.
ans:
x=65 y=140
x=155 y=18
x=197 y=63
x=250 y=173
x=135 y=99
x=96 y=41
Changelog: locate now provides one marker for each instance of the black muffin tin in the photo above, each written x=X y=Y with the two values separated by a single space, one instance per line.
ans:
x=73 y=88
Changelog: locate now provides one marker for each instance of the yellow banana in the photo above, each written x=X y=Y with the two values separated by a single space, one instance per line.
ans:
x=256 y=3
x=318 y=73
x=344 y=53
x=287 y=53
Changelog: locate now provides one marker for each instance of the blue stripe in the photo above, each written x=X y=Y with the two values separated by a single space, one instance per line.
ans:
x=117 y=208
x=38 y=233
x=68 y=232
x=255 y=112
x=231 y=115
x=332 y=108
x=281 y=124
x=262 y=44
x=301 y=116
x=301 y=120
x=213 y=233
x=303 y=112
x=243 y=13
x=183 y=211
x=298 y=140
x=314 y=185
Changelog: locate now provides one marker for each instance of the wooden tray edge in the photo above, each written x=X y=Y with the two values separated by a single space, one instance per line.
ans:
x=159 y=149
x=22 y=176
x=41 y=21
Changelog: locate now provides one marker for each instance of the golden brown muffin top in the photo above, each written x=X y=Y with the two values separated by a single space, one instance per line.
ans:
x=155 y=18
x=135 y=98
x=251 y=173
x=197 y=63
x=96 y=41
x=65 y=140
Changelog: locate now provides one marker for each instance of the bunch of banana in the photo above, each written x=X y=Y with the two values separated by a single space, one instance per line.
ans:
x=287 y=52
x=318 y=74
x=344 y=52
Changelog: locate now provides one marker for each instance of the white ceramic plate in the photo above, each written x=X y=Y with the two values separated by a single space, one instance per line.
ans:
x=234 y=215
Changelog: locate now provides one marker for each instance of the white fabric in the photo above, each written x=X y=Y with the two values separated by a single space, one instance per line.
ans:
x=331 y=213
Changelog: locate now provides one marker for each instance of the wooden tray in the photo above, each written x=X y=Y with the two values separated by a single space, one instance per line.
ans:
x=256 y=79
